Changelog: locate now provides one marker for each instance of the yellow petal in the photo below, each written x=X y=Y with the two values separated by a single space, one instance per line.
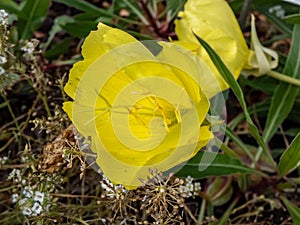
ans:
x=213 y=21
x=97 y=43
x=103 y=40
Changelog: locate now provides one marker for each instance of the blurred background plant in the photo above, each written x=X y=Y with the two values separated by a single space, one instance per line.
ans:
x=47 y=176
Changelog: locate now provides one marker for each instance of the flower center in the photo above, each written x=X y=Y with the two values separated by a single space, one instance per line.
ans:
x=149 y=108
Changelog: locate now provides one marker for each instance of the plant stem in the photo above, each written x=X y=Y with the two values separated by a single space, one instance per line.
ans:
x=285 y=78
x=11 y=112
x=202 y=211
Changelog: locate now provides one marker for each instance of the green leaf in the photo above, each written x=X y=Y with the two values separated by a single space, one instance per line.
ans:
x=293 y=210
x=80 y=28
x=229 y=78
x=279 y=23
x=285 y=94
x=295 y=18
x=57 y=26
x=137 y=11
x=173 y=7
x=219 y=190
x=220 y=166
x=259 y=83
x=290 y=159
x=258 y=109
x=238 y=141
x=85 y=6
x=93 y=10
x=31 y=17
x=10 y=6
x=59 y=48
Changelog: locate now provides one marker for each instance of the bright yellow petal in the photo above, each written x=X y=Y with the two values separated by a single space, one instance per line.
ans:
x=194 y=73
x=213 y=21
x=96 y=44
x=104 y=39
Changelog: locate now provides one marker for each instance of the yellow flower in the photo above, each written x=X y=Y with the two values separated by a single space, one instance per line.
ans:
x=213 y=21
x=140 y=109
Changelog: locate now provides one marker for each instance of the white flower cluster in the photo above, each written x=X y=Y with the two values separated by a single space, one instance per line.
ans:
x=278 y=11
x=29 y=46
x=3 y=59
x=190 y=188
x=3 y=17
x=32 y=203
x=15 y=176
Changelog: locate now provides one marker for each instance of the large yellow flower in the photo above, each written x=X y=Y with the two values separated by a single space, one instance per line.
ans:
x=213 y=21
x=141 y=109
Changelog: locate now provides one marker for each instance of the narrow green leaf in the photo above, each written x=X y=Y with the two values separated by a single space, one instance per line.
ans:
x=259 y=83
x=31 y=17
x=137 y=11
x=229 y=78
x=173 y=7
x=58 y=49
x=80 y=28
x=228 y=151
x=86 y=7
x=295 y=18
x=238 y=141
x=290 y=158
x=257 y=109
x=279 y=23
x=93 y=10
x=56 y=27
x=285 y=94
x=220 y=166
x=293 y=210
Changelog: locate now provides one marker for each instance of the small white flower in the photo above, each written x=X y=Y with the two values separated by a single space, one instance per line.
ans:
x=36 y=208
x=3 y=17
x=197 y=186
x=29 y=47
x=182 y=189
x=2 y=71
x=15 y=173
x=189 y=187
x=27 y=192
x=24 y=159
x=23 y=202
x=26 y=211
x=14 y=198
x=3 y=160
x=39 y=197
x=189 y=179
x=2 y=59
